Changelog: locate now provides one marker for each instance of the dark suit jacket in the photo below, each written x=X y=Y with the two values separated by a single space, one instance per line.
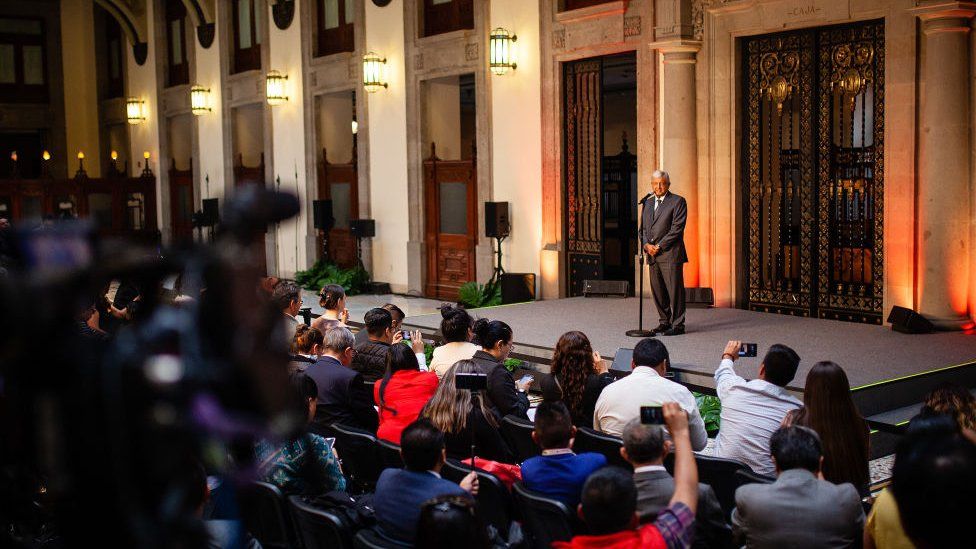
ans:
x=343 y=397
x=502 y=394
x=654 y=491
x=666 y=229
x=399 y=495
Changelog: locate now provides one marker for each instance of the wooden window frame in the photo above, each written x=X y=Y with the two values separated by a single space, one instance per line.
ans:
x=179 y=69
x=448 y=17
x=339 y=39
x=246 y=59
x=114 y=40
x=19 y=92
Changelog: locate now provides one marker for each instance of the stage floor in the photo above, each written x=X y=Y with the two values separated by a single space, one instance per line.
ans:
x=868 y=353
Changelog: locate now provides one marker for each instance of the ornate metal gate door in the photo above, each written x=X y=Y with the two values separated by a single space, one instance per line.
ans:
x=584 y=150
x=813 y=172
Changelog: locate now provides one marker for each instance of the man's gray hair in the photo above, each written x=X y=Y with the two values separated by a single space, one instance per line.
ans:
x=662 y=174
x=338 y=339
x=644 y=443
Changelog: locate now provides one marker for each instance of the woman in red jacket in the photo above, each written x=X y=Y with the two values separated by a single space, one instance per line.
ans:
x=402 y=392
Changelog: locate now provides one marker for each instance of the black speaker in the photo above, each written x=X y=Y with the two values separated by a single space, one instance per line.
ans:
x=699 y=298
x=517 y=287
x=615 y=288
x=211 y=212
x=908 y=321
x=322 y=214
x=497 y=224
x=362 y=228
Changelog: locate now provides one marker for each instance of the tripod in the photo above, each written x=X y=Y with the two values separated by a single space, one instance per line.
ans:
x=496 y=275
x=640 y=331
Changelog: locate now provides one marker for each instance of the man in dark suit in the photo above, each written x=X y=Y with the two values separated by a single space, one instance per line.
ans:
x=343 y=396
x=662 y=238
x=645 y=448
x=401 y=492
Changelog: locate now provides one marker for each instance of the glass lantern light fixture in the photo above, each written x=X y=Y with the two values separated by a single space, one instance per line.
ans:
x=501 y=54
x=373 y=72
x=134 y=110
x=275 y=91
x=200 y=100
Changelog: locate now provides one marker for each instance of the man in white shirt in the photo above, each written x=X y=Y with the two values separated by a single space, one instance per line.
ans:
x=646 y=385
x=753 y=410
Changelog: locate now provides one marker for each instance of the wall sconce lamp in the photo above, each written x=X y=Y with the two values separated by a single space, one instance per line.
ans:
x=81 y=173
x=45 y=156
x=373 y=72
x=501 y=56
x=200 y=100
x=134 y=110
x=355 y=127
x=275 y=90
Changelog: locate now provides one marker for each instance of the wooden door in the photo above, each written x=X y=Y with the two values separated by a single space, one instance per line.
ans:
x=451 y=221
x=181 y=203
x=339 y=183
x=244 y=175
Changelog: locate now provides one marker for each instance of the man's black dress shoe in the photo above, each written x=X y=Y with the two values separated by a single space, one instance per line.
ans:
x=661 y=329
x=674 y=331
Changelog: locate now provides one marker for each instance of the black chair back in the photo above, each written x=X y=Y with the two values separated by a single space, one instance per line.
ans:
x=265 y=515
x=360 y=460
x=546 y=520
x=389 y=454
x=368 y=538
x=588 y=440
x=493 y=499
x=517 y=433
x=318 y=528
x=746 y=476
x=719 y=473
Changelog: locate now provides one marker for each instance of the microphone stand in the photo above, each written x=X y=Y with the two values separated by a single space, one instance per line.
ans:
x=640 y=331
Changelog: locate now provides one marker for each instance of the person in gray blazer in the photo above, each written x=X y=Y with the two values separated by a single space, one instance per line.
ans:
x=663 y=240
x=645 y=448
x=800 y=510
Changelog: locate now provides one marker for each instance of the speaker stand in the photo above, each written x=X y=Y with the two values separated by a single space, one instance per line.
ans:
x=496 y=275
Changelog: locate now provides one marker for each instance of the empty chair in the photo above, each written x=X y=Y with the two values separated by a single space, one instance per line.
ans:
x=389 y=454
x=493 y=500
x=368 y=538
x=360 y=460
x=721 y=474
x=517 y=433
x=318 y=528
x=265 y=515
x=588 y=440
x=545 y=520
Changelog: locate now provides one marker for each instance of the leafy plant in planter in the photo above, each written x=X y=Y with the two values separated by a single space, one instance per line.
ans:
x=472 y=295
x=354 y=280
x=512 y=364
x=711 y=411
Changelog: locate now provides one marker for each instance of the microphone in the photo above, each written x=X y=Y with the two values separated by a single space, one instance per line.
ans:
x=646 y=196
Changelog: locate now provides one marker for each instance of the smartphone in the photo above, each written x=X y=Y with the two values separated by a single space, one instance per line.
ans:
x=406 y=334
x=471 y=382
x=748 y=349
x=652 y=415
x=527 y=378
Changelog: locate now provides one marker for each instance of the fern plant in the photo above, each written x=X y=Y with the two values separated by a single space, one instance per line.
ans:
x=353 y=280
x=473 y=295
x=710 y=408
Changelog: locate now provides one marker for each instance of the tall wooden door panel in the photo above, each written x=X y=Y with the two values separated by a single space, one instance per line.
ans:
x=450 y=199
x=181 y=203
x=338 y=183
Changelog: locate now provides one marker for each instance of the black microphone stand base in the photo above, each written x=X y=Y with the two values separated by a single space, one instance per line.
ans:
x=640 y=333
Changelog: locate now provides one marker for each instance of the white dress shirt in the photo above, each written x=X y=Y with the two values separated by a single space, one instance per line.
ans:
x=751 y=413
x=621 y=402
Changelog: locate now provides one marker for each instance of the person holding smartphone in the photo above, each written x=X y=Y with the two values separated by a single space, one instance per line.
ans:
x=506 y=396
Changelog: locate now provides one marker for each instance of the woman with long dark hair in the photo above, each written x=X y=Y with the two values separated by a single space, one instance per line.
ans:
x=829 y=410
x=402 y=392
x=457 y=412
x=457 y=330
x=578 y=376
x=497 y=341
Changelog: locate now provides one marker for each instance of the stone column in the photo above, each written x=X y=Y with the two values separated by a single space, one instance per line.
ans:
x=679 y=138
x=943 y=226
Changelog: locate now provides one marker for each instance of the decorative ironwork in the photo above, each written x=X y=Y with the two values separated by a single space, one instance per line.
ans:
x=814 y=204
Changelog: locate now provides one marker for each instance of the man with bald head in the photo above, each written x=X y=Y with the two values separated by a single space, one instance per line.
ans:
x=663 y=240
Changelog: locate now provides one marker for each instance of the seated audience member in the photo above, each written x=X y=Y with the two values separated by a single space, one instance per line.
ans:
x=221 y=533
x=934 y=483
x=621 y=401
x=332 y=298
x=799 y=509
x=305 y=348
x=456 y=329
x=447 y=521
x=287 y=298
x=88 y=324
x=400 y=493
x=578 y=377
x=953 y=400
x=609 y=501
x=883 y=529
x=306 y=465
x=829 y=410
x=645 y=448
x=370 y=358
x=753 y=410
x=267 y=285
x=456 y=412
x=558 y=473
x=401 y=393
x=505 y=395
x=362 y=336
x=343 y=396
